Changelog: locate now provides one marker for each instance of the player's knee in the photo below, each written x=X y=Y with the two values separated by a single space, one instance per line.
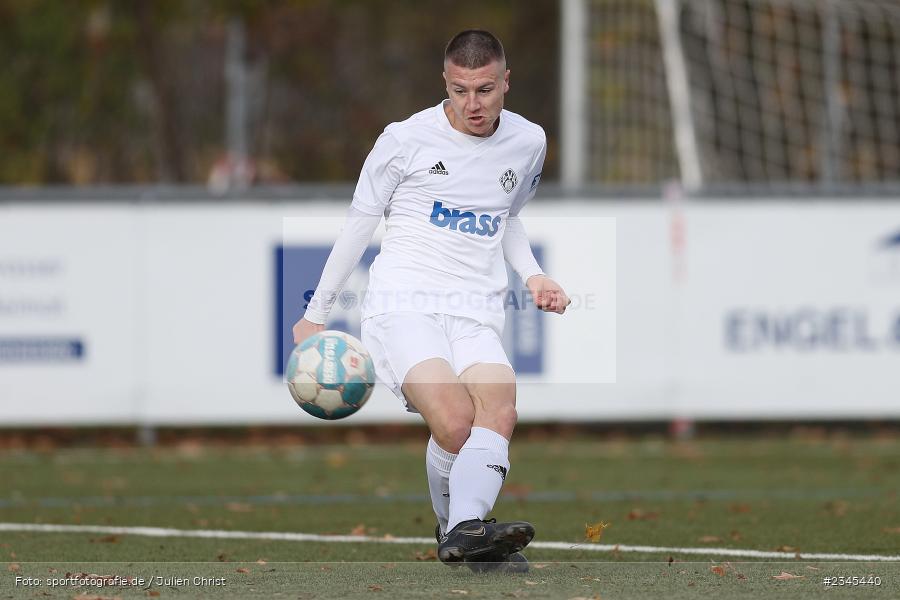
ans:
x=458 y=436
x=452 y=435
x=455 y=428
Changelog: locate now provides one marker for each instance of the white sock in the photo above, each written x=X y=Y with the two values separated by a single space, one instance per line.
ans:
x=477 y=476
x=438 y=463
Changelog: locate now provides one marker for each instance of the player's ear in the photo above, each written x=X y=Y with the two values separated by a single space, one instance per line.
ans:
x=506 y=81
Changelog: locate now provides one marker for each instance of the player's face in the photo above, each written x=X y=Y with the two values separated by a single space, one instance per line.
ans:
x=476 y=96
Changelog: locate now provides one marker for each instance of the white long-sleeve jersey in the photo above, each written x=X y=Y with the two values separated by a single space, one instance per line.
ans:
x=451 y=202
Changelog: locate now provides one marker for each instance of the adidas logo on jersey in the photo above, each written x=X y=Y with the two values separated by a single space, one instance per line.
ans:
x=466 y=222
x=439 y=169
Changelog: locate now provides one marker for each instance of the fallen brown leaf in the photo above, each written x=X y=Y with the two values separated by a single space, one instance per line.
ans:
x=13 y=567
x=517 y=490
x=527 y=582
x=785 y=575
x=540 y=566
x=261 y=561
x=741 y=576
x=594 y=532
x=739 y=508
x=429 y=555
x=709 y=539
x=837 y=508
x=812 y=568
x=374 y=587
x=785 y=549
x=336 y=460
x=735 y=535
x=108 y=539
x=717 y=570
x=358 y=530
x=891 y=530
x=153 y=593
x=636 y=514
x=460 y=592
x=242 y=570
x=238 y=507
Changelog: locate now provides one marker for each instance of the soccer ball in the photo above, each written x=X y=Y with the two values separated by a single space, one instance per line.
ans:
x=330 y=375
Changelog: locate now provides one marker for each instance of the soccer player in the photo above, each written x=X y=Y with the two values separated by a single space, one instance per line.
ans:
x=450 y=182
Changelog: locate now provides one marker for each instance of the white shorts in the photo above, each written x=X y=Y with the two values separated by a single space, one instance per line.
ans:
x=398 y=341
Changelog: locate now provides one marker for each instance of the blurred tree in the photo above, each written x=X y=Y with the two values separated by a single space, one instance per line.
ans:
x=338 y=77
x=58 y=90
x=150 y=19
x=100 y=91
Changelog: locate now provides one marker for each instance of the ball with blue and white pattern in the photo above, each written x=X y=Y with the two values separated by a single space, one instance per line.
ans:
x=330 y=375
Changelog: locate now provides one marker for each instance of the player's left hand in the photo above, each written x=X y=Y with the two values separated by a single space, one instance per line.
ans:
x=303 y=329
x=548 y=295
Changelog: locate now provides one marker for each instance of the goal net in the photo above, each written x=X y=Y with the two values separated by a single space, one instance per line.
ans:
x=774 y=93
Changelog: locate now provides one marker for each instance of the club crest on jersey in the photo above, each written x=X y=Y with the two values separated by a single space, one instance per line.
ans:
x=508 y=180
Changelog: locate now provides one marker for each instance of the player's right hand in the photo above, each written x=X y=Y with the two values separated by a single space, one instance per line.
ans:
x=303 y=329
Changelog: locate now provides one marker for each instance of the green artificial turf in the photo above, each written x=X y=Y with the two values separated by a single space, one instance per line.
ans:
x=821 y=495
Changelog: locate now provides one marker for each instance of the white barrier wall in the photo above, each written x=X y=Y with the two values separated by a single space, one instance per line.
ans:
x=69 y=330
x=791 y=311
x=166 y=314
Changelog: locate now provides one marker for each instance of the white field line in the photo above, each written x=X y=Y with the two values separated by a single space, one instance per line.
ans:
x=358 y=539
